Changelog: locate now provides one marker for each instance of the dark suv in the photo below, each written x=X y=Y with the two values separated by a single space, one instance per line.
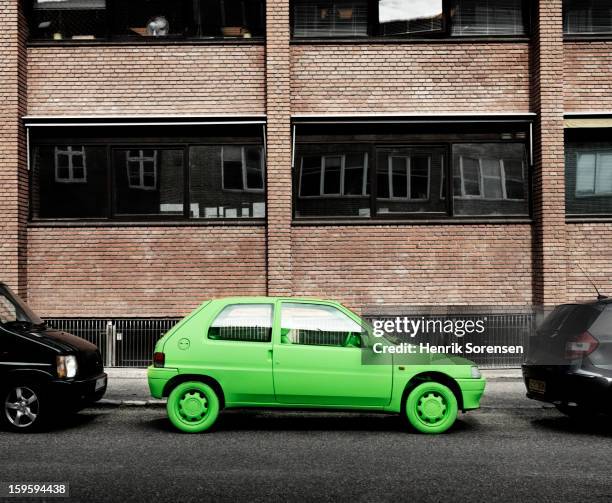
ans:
x=42 y=369
x=569 y=362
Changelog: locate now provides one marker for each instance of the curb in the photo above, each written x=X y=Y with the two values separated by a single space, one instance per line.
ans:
x=129 y=403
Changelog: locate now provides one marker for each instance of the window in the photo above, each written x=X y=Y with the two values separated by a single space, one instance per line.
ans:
x=588 y=17
x=318 y=325
x=403 y=18
x=490 y=178
x=396 y=171
x=146 y=19
x=333 y=183
x=243 y=168
x=588 y=177
x=142 y=169
x=405 y=177
x=68 y=19
x=334 y=175
x=243 y=322
x=148 y=181
x=487 y=17
x=69 y=181
x=340 y=18
x=70 y=165
x=112 y=179
x=398 y=17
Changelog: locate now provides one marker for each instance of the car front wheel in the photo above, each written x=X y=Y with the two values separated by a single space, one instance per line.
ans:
x=193 y=407
x=22 y=407
x=431 y=407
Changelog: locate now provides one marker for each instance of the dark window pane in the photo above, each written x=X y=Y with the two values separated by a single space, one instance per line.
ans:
x=419 y=177
x=208 y=198
x=398 y=17
x=311 y=176
x=232 y=168
x=60 y=190
x=587 y=16
x=148 y=181
x=254 y=168
x=243 y=322
x=490 y=179
x=312 y=18
x=417 y=181
x=487 y=17
x=331 y=175
x=68 y=19
x=148 y=18
x=355 y=175
x=399 y=174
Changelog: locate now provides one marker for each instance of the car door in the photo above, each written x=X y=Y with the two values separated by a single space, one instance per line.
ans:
x=318 y=359
x=238 y=352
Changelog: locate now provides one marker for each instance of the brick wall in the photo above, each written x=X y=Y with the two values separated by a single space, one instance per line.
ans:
x=549 y=250
x=456 y=77
x=588 y=76
x=141 y=271
x=365 y=266
x=146 y=80
x=278 y=147
x=13 y=172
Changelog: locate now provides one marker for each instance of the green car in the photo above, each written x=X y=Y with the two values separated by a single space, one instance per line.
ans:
x=300 y=353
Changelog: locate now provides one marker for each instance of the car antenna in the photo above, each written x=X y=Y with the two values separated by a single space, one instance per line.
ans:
x=599 y=295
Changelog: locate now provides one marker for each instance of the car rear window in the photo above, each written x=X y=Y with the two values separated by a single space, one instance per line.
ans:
x=243 y=322
x=570 y=319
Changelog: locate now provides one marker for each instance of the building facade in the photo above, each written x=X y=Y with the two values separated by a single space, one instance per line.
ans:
x=154 y=154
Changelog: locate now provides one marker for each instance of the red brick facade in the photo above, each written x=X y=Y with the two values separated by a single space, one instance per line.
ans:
x=167 y=270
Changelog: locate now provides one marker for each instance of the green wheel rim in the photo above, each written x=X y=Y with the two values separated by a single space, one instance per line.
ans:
x=431 y=407
x=193 y=407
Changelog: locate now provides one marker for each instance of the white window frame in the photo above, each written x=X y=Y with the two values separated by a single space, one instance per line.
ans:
x=595 y=192
x=408 y=197
x=141 y=159
x=364 y=182
x=481 y=179
x=245 y=186
x=70 y=152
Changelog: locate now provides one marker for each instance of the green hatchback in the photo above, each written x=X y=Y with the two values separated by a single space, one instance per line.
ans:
x=300 y=353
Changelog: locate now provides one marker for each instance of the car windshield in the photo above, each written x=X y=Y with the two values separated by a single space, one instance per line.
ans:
x=14 y=310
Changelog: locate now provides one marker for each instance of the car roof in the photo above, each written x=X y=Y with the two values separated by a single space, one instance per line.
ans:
x=260 y=298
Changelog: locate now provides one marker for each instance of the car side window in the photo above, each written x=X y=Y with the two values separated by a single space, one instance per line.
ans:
x=318 y=325
x=243 y=322
x=8 y=312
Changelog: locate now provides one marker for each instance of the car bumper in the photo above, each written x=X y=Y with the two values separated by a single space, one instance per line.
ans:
x=562 y=385
x=158 y=377
x=78 y=392
x=471 y=392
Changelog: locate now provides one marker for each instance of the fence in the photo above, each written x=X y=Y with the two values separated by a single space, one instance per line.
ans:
x=130 y=342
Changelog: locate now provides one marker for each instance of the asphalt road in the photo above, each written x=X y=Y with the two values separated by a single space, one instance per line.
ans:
x=510 y=450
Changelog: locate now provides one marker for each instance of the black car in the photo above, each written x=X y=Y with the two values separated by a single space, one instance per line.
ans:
x=42 y=370
x=569 y=361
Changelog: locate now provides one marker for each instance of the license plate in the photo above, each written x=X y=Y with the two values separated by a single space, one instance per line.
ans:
x=537 y=386
x=100 y=383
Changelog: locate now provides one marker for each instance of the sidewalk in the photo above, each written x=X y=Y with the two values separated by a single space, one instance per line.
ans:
x=129 y=387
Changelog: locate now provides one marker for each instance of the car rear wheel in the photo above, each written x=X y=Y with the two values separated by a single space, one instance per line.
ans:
x=431 y=407
x=22 y=408
x=193 y=407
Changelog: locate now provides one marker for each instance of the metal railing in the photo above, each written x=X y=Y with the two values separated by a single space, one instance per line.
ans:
x=122 y=342
x=130 y=342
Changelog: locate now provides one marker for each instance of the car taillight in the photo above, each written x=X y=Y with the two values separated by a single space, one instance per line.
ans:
x=159 y=359
x=580 y=347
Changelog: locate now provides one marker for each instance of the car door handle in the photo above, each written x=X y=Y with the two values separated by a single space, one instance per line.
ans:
x=270 y=353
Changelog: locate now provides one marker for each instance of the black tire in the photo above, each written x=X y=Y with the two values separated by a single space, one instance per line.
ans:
x=23 y=408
